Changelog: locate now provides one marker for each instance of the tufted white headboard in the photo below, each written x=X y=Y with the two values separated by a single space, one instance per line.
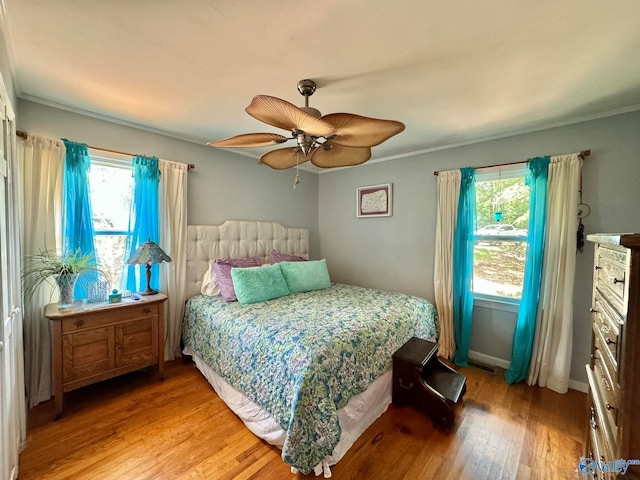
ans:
x=238 y=239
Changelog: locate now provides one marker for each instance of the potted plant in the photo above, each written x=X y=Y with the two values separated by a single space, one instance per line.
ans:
x=64 y=268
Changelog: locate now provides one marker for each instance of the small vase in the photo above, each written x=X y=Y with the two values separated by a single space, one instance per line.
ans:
x=66 y=284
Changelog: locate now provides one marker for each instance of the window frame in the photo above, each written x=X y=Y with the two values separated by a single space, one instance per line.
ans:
x=497 y=302
x=112 y=160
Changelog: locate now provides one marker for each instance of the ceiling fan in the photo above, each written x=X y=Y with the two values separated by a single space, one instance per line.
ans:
x=333 y=140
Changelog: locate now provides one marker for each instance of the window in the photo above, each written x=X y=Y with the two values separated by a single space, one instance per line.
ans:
x=502 y=207
x=111 y=193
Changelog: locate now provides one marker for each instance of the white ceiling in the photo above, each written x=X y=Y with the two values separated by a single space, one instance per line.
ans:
x=454 y=71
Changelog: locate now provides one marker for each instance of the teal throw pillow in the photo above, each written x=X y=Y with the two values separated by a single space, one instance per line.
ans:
x=258 y=284
x=306 y=276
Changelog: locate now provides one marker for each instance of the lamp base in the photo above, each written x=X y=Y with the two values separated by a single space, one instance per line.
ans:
x=148 y=291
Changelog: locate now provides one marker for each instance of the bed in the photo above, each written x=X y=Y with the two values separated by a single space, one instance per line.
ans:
x=309 y=371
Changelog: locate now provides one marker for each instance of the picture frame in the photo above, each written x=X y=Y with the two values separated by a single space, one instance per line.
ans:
x=374 y=201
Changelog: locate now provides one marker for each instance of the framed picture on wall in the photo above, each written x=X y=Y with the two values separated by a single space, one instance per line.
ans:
x=374 y=201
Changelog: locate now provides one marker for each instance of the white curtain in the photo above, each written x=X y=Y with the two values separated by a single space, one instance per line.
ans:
x=43 y=162
x=448 y=195
x=173 y=240
x=552 y=347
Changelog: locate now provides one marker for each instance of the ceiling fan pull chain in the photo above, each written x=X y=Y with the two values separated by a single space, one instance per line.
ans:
x=296 y=180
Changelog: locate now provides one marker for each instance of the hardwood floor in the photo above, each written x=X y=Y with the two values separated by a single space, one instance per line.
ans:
x=134 y=427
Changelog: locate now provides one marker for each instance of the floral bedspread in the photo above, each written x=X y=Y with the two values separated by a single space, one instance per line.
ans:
x=302 y=357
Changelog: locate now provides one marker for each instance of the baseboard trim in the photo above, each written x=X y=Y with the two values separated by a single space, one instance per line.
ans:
x=502 y=363
x=488 y=359
x=579 y=386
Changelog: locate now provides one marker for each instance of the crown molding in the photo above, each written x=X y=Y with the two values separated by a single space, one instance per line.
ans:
x=585 y=118
x=107 y=118
x=126 y=123
x=312 y=169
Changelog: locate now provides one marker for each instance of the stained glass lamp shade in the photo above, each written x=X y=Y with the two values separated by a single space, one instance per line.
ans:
x=148 y=253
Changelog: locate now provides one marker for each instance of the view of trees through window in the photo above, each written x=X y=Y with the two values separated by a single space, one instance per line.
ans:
x=502 y=207
x=111 y=193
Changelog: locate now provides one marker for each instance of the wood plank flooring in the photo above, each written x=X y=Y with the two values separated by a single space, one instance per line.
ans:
x=135 y=427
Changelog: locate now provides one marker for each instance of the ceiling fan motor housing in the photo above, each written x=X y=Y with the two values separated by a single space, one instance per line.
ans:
x=306 y=87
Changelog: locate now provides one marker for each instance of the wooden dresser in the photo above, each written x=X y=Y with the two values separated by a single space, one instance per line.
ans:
x=94 y=342
x=614 y=369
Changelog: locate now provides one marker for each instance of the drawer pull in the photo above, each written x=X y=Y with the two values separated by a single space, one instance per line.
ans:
x=593 y=423
x=597 y=267
x=78 y=323
x=406 y=387
x=618 y=280
x=147 y=310
x=608 y=406
x=610 y=342
x=592 y=310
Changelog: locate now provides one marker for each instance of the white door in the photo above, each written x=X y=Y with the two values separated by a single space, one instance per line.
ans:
x=5 y=313
x=12 y=407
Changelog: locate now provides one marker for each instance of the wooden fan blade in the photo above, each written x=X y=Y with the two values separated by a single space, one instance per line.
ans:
x=339 y=156
x=358 y=131
x=250 y=140
x=283 y=158
x=282 y=114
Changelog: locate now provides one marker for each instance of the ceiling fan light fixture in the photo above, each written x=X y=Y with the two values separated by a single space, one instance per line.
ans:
x=330 y=141
x=305 y=142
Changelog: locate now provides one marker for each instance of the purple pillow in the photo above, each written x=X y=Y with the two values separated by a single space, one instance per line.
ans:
x=223 y=266
x=277 y=257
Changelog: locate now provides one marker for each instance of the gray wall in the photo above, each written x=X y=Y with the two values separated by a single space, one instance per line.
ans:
x=397 y=253
x=223 y=186
x=392 y=253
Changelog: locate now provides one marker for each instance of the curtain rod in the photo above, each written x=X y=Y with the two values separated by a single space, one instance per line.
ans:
x=22 y=134
x=582 y=154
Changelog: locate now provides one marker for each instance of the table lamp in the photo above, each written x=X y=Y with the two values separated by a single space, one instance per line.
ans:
x=147 y=254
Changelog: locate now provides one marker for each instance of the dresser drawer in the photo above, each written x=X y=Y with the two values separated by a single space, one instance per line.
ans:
x=596 y=446
x=607 y=321
x=600 y=421
x=606 y=375
x=109 y=316
x=611 y=275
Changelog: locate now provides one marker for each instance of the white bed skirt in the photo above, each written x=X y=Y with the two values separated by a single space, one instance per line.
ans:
x=359 y=413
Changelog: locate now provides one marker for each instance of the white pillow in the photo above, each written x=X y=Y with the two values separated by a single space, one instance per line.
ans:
x=209 y=284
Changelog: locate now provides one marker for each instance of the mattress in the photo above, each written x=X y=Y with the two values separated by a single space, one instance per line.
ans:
x=303 y=357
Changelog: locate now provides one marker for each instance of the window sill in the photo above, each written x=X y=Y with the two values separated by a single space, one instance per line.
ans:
x=495 y=303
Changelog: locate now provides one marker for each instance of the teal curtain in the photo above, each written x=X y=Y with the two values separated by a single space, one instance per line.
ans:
x=144 y=220
x=537 y=178
x=77 y=219
x=463 y=246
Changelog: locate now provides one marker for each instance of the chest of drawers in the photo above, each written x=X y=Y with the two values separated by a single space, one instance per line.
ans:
x=614 y=369
x=95 y=342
